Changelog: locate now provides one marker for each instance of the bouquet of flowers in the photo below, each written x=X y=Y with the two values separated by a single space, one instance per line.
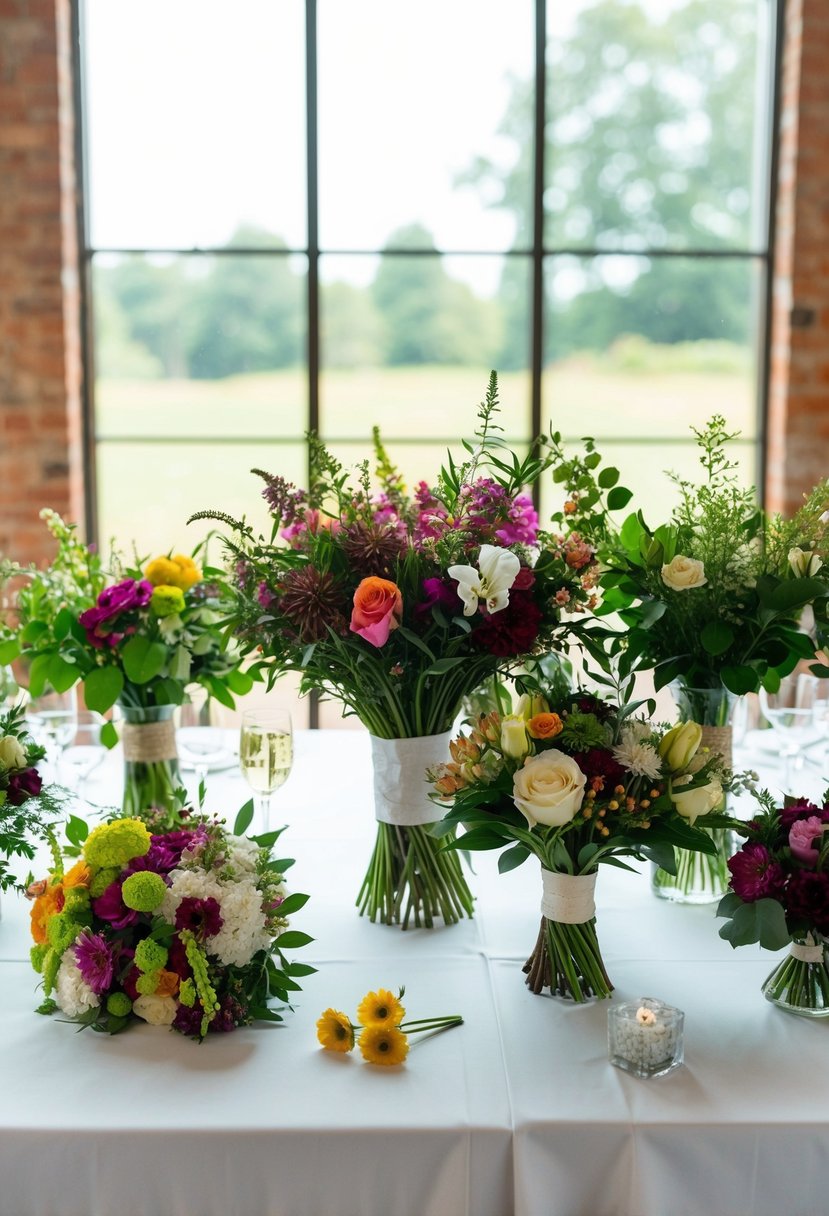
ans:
x=711 y=599
x=779 y=897
x=170 y=919
x=400 y=606
x=136 y=634
x=577 y=782
x=25 y=807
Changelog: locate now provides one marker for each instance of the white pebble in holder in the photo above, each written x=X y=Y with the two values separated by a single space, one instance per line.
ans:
x=645 y=1037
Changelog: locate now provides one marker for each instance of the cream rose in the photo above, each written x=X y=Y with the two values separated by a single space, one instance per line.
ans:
x=157 y=1010
x=684 y=573
x=549 y=789
x=12 y=754
x=514 y=741
x=691 y=804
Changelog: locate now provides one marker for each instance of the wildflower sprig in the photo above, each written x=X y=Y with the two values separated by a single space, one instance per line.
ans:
x=381 y=1033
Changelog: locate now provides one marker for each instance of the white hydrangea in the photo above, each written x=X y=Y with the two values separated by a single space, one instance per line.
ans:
x=72 y=993
x=243 y=854
x=244 y=929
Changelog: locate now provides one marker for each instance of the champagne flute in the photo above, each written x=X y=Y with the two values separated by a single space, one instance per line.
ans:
x=53 y=720
x=266 y=753
x=790 y=712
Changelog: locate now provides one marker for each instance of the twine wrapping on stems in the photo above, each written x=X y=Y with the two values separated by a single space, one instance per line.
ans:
x=809 y=951
x=149 y=742
x=718 y=739
x=568 y=899
x=400 y=783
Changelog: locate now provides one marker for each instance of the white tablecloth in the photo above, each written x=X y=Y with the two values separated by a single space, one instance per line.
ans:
x=517 y=1112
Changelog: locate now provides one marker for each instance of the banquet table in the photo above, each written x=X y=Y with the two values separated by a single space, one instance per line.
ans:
x=516 y=1113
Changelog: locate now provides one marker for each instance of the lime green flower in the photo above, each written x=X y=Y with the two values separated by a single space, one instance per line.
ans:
x=103 y=879
x=37 y=954
x=118 y=1004
x=146 y=984
x=62 y=930
x=150 y=955
x=116 y=843
x=167 y=601
x=144 y=891
x=187 y=994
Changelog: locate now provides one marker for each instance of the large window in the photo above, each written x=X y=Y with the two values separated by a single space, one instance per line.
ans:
x=334 y=213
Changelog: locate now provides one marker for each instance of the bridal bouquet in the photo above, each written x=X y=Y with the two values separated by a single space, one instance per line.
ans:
x=399 y=606
x=168 y=919
x=25 y=807
x=133 y=633
x=780 y=897
x=577 y=782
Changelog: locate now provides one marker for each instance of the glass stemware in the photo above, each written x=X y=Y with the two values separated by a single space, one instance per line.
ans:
x=265 y=754
x=790 y=711
x=53 y=720
x=85 y=752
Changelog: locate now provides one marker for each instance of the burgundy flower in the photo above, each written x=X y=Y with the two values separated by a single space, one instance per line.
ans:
x=24 y=784
x=755 y=874
x=803 y=809
x=511 y=631
x=111 y=907
x=807 y=898
x=188 y=1020
x=177 y=959
x=129 y=981
x=201 y=916
x=524 y=579
x=96 y=959
x=438 y=594
x=599 y=762
x=103 y=624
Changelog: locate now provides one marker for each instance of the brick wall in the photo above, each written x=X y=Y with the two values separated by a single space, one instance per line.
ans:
x=798 y=423
x=40 y=365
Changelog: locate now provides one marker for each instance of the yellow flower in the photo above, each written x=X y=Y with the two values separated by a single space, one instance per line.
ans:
x=178 y=571
x=383 y=1045
x=381 y=1008
x=335 y=1032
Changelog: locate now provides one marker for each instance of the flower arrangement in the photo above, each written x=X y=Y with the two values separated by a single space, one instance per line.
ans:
x=133 y=633
x=779 y=897
x=26 y=808
x=399 y=606
x=169 y=919
x=381 y=1032
x=576 y=781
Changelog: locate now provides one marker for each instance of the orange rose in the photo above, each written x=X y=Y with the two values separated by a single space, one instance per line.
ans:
x=43 y=909
x=378 y=607
x=167 y=984
x=544 y=726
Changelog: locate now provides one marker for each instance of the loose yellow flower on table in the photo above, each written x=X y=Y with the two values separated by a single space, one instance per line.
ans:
x=383 y=1045
x=382 y=1036
x=381 y=1008
x=335 y=1032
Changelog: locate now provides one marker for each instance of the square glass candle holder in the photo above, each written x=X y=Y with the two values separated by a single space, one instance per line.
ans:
x=645 y=1037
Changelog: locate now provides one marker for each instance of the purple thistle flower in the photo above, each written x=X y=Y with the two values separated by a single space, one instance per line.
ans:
x=96 y=958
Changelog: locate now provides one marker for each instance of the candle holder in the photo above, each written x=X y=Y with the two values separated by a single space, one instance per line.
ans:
x=645 y=1037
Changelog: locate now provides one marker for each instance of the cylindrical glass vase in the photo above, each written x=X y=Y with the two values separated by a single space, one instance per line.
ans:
x=800 y=984
x=151 y=772
x=702 y=878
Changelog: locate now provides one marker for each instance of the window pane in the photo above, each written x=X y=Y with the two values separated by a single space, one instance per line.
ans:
x=408 y=343
x=420 y=95
x=195 y=122
x=657 y=122
x=647 y=347
x=203 y=346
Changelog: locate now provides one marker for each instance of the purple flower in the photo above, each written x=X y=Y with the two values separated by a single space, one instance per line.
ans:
x=103 y=624
x=96 y=958
x=111 y=907
x=521 y=527
x=802 y=835
x=438 y=594
x=201 y=916
x=25 y=783
x=803 y=809
x=807 y=899
x=188 y=1020
x=755 y=874
x=264 y=595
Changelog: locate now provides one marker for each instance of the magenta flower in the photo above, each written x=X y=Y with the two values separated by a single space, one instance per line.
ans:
x=265 y=596
x=96 y=958
x=103 y=624
x=111 y=907
x=521 y=526
x=803 y=809
x=802 y=835
x=201 y=916
x=438 y=594
x=755 y=874
x=25 y=783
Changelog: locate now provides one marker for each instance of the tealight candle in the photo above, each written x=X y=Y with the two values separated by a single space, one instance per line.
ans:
x=644 y=1037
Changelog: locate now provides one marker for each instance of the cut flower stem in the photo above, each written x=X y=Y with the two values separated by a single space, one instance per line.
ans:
x=410 y=881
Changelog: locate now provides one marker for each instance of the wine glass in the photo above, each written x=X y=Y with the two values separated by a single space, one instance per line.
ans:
x=85 y=752
x=53 y=720
x=201 y=747
x=265 y=754
x=790 y=711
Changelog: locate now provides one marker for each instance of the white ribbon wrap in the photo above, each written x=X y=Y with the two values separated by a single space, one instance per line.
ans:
x=401 y=789
x=809 y=951
x=568 y=898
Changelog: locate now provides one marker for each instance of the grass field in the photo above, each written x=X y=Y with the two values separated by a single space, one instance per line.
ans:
x=219 y=430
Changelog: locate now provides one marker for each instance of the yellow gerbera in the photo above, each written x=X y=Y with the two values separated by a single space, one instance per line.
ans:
x=384 y=1045
x=335 y=1032
x=381 y=1008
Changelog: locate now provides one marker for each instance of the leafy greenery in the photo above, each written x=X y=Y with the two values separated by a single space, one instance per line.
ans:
x=27 y=811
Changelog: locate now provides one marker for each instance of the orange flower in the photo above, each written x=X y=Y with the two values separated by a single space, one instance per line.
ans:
x=167 y=984
x=378 y=607
x=44 y=908
x=79 y=876
x=544 y=726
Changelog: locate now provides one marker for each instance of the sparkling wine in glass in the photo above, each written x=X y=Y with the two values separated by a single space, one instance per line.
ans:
x=266 y=754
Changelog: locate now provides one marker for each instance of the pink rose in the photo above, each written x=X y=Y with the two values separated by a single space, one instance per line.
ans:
x=378 y=607
x=802 y=834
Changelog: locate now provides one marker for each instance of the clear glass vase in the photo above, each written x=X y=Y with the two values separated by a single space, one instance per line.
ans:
x=702 y=878
x=151 y=772
x=800 y=983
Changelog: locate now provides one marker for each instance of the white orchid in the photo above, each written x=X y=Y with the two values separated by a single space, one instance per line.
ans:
x=491 y=582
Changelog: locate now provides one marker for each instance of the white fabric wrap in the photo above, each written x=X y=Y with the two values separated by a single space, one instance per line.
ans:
x=401 y=790
x=809 y=951
x=568 y=898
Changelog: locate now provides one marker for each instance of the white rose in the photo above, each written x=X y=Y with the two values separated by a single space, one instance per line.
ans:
x=803 y=563
x=683 y=574
x=12 y=754
x=691 y=804
x=549 y=789
x=514 y=741
x=157 y=1010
